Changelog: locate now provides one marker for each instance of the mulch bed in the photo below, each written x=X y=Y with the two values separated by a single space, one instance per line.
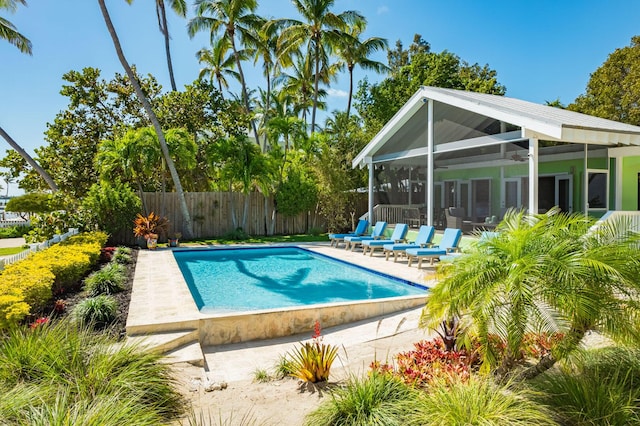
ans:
x=75 y=295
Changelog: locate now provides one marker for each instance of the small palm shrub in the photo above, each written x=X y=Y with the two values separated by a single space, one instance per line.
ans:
x=600 y=387
x=478 y=401
x=59 y=374
x=380 y=399
x=108 y=280
x=312 y=361
x=98 y=311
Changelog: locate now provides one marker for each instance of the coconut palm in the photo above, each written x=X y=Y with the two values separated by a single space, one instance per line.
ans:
x=188 y=224
x=235 y=18
x=9 y=32
x=180 y=8
x=217 y=65
x=352 y=52
x=321 y=30
x=543 y=273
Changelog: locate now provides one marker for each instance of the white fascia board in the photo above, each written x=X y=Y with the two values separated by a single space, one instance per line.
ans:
x=481 y=141
x=397 y=121
x=410 y=153
x=626 y=151
x=600 y=137
x=549 y=128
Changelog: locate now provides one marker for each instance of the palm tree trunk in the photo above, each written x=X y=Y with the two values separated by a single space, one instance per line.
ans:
x=47 y=178
x=144 y=204
x=315 y=89
x=245 y=96
x=165 y=31
x=245 y=211
x=186 y=216
x=350 y=92
x=234 y=220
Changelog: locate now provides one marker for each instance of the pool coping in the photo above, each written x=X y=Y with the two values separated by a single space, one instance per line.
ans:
x=161 y=301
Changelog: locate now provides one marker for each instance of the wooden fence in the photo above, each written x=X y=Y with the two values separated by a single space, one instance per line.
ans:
x=211 y=213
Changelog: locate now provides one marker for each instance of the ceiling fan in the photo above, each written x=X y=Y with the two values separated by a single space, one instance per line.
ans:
x=518 y=157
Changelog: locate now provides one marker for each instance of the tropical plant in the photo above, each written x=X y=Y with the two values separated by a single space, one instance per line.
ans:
x=110 y=279
x=321 y=31
x=97 y=312
x=235 y=18
x=553 y=273
x=479 y=401
x=352 y=51
x=60 y=374
x=110 y=207
x=598 y=386
x=379 y=399
x=312 y=361
x=283 y=367
x=217 y=65
x=186 y=215
x=180 y=8
x=122 y=255
x=152 y=224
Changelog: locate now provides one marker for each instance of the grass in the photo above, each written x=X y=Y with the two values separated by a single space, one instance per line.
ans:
x=300 y=238
x=8 y=251
x=61 y=374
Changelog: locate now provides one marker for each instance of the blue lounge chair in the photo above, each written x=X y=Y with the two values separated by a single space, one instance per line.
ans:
x=376 y=234
x=448 y=244
x=423 y=239
x=360 y=230
x=399 y=235
x=484 y=237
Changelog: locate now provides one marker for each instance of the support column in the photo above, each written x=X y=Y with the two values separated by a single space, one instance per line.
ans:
x=533 y=176
x=430 y=188
x=585 y=182
x=618 y=183
x=371 y=178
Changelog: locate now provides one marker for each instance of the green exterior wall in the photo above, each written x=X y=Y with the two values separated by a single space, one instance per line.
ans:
x=630 y=170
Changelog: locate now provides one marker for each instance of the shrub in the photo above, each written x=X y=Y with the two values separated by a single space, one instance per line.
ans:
x=110 y=207
x=312 y=361
x=478 y=401
x=60 y=374
x=14 y=231
x=380 y=399
x=108 y=280
x=44 y=226
x=601 y=387
x=122 y=255
x=283 y=367
x=237 y=234
x=98 y=311
x=429 y=362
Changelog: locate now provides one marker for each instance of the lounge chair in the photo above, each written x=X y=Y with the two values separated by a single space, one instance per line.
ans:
x=399 y=235
x=360 y=230
x=484 y=237
x=423 y=239
x=376 y=234
x=448 y=244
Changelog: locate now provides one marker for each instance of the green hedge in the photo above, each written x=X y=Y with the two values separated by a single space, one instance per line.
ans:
x=29 y=284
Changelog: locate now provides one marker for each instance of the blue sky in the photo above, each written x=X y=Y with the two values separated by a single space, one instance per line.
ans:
x=542 y=50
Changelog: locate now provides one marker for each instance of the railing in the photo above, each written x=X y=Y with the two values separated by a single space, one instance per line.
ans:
x=9 y=223
x=36 y=247
x=390 y=213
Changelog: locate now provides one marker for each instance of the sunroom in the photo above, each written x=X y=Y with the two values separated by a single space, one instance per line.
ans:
x=452 y=158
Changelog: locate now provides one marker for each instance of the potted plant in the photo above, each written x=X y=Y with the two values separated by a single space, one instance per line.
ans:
x=150 y=227
x=174 y=239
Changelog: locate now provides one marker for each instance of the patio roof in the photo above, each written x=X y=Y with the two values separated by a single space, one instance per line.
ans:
x=460 y=125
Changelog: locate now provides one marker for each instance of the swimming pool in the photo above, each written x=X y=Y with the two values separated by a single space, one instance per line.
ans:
x=250 y=279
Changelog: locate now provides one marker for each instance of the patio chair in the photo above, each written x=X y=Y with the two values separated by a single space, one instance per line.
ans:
x=484 y=237
x=399 y=235
x=423 y=239
x=376 y=234
x=448 y=244
x=360 y=230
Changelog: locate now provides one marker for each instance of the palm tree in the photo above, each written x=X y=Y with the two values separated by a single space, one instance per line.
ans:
x=352 y=52
x=322 y=31
x=545 y=273
x=217 y=64
x=9 y=32
x=188 y=224
x=234 y=17
x=180 y=8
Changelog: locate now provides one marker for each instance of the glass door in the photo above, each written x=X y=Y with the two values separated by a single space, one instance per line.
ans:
x=564 y=193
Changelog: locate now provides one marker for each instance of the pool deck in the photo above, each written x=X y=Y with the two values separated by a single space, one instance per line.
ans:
x=163 y=309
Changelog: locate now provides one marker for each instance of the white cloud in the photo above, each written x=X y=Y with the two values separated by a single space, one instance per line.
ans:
x=337 y=93
x=383 y=10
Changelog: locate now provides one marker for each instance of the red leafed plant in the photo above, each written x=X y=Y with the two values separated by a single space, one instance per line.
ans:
x=428 y=362
x=150 y=225
x=38 y=322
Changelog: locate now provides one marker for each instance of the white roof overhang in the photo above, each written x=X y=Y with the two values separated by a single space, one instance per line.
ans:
x=535 y=121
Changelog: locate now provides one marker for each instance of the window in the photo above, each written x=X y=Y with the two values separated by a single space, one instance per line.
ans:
x=597 y=190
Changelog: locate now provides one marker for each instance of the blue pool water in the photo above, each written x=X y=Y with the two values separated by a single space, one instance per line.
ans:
x=227 y=280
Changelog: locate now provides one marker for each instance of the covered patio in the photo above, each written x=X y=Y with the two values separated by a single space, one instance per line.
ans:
x=449 y=157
